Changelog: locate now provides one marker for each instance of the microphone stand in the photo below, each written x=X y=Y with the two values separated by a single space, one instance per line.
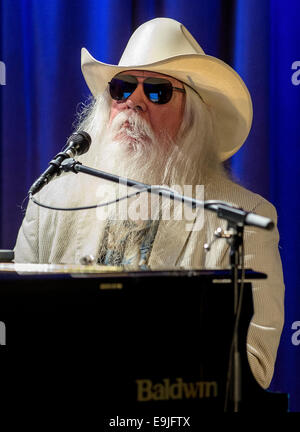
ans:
x=223 y=209
x=234 y=236
x=236 y=218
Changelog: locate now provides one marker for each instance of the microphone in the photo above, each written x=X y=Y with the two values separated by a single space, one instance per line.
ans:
x=78 y=144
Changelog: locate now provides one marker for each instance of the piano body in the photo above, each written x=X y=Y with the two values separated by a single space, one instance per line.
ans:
x=147 y=342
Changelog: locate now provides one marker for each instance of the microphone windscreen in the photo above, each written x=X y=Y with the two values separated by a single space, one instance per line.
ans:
x=79 y=142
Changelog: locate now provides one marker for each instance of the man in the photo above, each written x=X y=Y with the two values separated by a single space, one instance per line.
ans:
x=167 y=114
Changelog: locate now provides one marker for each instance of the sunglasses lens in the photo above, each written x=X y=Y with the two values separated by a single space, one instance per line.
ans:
x=123 y=86
x=158 y=90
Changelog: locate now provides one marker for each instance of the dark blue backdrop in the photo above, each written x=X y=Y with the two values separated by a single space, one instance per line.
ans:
x=40 y=47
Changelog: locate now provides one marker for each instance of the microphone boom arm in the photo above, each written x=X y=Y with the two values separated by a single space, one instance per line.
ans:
x=224 y=210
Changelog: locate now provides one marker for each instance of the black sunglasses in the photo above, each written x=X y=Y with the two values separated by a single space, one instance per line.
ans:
x=157 y=90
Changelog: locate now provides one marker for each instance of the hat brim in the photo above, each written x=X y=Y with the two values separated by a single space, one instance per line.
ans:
x=219 y=85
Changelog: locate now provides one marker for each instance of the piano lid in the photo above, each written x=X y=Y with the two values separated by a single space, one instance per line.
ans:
x=7 y=270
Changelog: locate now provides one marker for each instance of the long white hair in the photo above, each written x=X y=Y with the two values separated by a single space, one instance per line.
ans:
x=191 y=159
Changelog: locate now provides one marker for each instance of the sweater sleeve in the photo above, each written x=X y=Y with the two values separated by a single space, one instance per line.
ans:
x=262 y=254
x=27 y=244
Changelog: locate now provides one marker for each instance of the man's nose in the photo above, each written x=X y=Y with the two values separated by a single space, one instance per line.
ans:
x=137 y=100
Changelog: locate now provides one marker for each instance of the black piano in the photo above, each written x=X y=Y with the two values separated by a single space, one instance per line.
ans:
x=141 y=342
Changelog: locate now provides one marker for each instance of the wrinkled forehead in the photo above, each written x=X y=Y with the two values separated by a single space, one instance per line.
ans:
x=145 y=73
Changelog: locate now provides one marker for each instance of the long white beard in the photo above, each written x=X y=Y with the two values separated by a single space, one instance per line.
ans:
x=129 y=148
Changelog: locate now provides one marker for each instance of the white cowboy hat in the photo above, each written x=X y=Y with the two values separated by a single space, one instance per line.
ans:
x=164 y=45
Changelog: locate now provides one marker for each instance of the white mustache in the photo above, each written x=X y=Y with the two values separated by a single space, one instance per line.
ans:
x=132 y=125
